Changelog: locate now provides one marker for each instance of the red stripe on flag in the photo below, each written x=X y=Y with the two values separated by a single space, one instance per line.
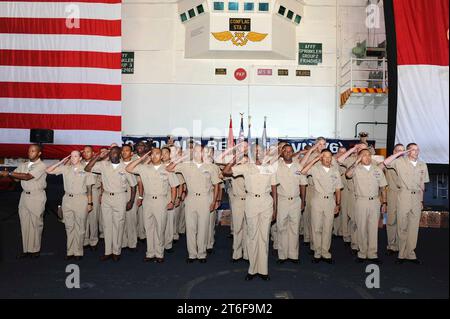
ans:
x=421 y=28
x=60 y=91
x=50 y=151
x=58 y=26
x=84 y=1
x=60 y=121
x=61 y=58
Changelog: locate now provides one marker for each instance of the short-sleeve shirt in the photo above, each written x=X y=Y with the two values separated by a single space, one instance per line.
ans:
x=156 y=181
x=258 y=179
x=37 y=170
x=115 y=180
x=97 y=178
x=392 y=179
x=410 y=177
x=368 y=182
x=289 y=179
x=75 y=178
x=325 y=182
x=198 y=179
x=349 y=161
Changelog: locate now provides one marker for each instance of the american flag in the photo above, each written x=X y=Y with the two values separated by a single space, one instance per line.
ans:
x=230 y=140
x=241 y=137
x=60 y=69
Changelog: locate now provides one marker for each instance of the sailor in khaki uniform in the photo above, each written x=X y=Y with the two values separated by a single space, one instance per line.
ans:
x=160 y=189
x=339 y=223
x=169 y=232
x=260 y=208
x=369 y=182
x=114 y=199
x=291 y=192
x=237 y=197
x=77 y=201
x=130 y=236
x=412 y=176
x=325 y=204
x=141 y=149
x=198 y=176
x=91 y=234
x=208 y=157
x=32 y=201
x=313 y=153
x=392 y=196
x=346 y=160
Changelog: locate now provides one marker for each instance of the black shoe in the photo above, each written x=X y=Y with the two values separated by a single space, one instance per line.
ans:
x=315 y=260
x=249 y=277
x=264 y=277
x=158 y=260
x=78 y=258
x=294 y=261
x=209 y=251
x=354 y=252
x=415 y=261
x=105 y=257
x=68 y=257
x=93 y=248
x=202 y=260
x=360 y=260
x=375 y=261
x=35 y=255
x=170 y=250
x=190 y=260
x=281 y=261
x=400 y=261
x=235 y=260
x=311 y=252
x=391 y=252
x=147 y=259
x=22 y=255
x=329 y=261
x=115 y=258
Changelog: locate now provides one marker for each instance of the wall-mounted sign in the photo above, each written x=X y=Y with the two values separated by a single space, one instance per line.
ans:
x=283 y=72
x=127 y=62
x=240 y=74
x=237 y=24
x=264 y=71
x=303 y=72
x=221 y=71
x=310 y=53
x=239 y=33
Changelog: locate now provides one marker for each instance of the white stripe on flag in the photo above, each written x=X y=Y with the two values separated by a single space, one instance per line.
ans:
x=63 y=137
x=57 y=42
x=60 y=75
x=56 y=106
x=60 y=10
x=423 y=110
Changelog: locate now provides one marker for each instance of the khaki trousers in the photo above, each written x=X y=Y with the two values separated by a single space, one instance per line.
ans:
x=92 y=225
x=288 y=218
x=75 y=218
x=130 y=231
x=197 y=224
x=239 y=227
x=31 y=215
x=391 y=224
x=155 y=220
x=322 y=215
x=367 y=214
x=113 y=214
x=409 y=210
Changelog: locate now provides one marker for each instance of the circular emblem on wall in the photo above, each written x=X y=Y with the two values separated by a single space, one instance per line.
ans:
x=240 y=74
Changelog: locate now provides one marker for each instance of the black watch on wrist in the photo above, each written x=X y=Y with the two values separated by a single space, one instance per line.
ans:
x=91 y=204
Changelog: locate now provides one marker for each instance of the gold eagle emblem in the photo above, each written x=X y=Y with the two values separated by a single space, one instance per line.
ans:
x=239 y=39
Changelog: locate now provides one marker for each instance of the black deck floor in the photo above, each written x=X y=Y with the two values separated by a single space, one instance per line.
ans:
x=219 y=278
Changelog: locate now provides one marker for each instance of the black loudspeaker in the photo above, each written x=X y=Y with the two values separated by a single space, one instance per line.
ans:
x=40 y=136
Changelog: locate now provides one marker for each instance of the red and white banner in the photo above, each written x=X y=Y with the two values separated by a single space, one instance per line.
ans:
x=60 y=69
x=423 y=76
